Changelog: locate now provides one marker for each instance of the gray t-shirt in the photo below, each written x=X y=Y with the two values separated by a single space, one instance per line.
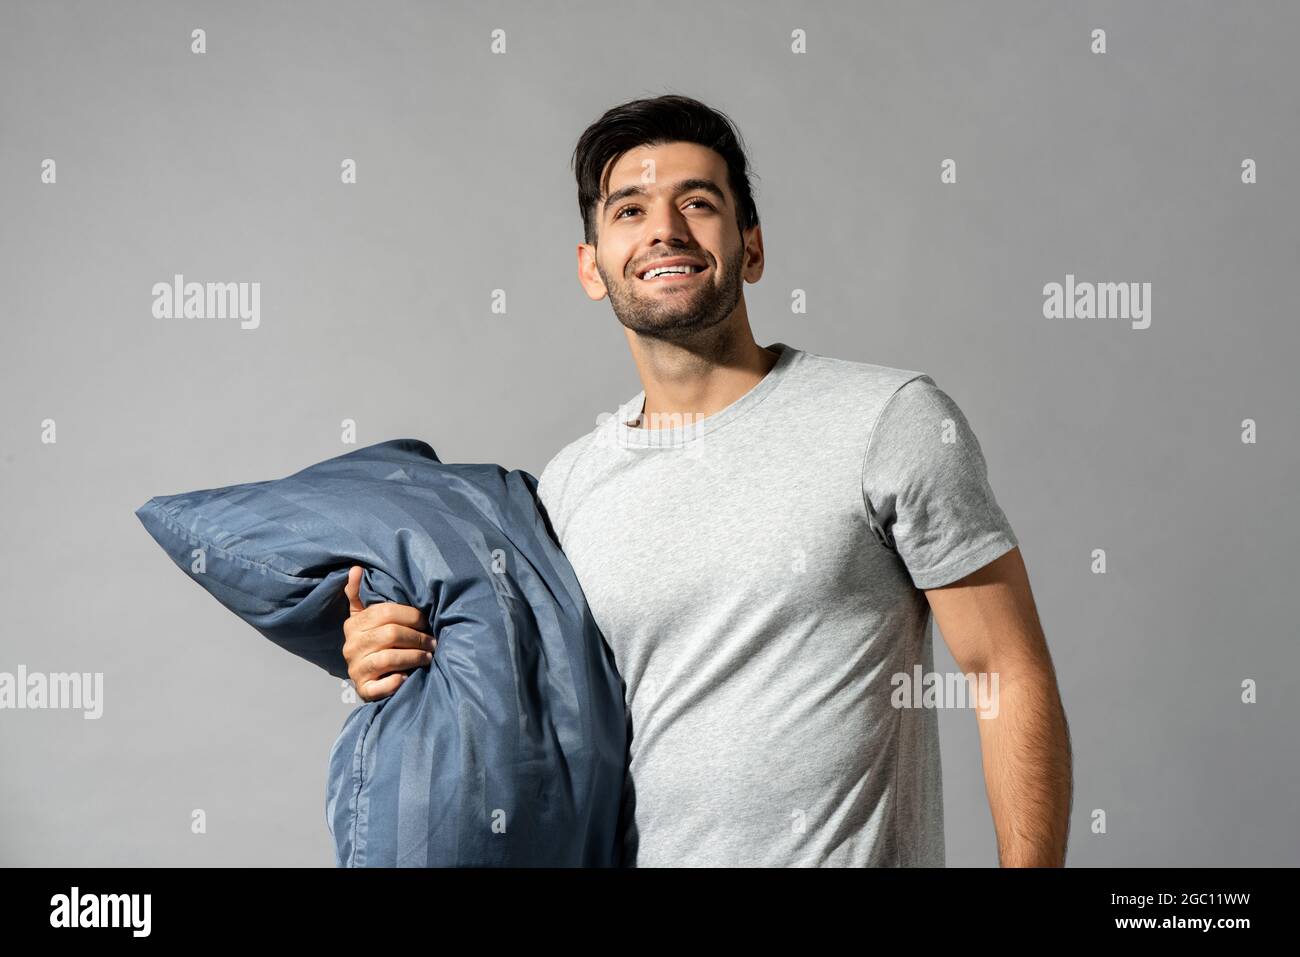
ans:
x=756 y=573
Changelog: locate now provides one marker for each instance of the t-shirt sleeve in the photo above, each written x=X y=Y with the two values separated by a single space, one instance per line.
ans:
x=926 y=490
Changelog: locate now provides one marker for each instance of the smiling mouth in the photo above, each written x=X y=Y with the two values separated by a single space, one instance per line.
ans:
x=675 y=276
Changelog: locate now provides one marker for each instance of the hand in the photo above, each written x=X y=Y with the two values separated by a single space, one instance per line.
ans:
x=382 y=643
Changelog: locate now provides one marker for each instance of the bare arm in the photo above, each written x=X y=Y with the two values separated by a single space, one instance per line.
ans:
x=991 y=626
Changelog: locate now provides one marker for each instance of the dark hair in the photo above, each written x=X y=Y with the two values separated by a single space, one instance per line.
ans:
x=670 y=118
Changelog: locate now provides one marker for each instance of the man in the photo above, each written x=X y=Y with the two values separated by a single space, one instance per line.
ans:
x=762 y=534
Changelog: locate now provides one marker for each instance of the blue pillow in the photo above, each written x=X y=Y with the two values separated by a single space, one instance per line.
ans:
x=510 y=748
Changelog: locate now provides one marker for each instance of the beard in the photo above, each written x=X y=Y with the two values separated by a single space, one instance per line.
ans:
x=676 y=312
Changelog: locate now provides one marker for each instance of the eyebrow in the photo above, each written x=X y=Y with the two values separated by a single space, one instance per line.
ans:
x=681 y=186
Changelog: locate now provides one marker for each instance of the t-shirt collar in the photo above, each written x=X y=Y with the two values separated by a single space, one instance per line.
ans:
x=674 y=430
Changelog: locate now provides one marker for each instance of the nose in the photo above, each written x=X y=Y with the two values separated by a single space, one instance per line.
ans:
x=667 y=224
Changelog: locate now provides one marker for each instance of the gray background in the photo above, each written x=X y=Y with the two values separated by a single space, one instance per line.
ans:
x=1121 y=167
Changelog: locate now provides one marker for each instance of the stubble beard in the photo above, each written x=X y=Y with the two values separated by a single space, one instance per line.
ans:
x=676 y=314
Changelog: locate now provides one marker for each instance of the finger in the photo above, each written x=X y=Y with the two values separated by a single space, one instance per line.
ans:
x=386 y=612
x=367 y=641
x=353 y=590
x=378 y=664
x=380 y=688
x=396 y=636
x=382 y=662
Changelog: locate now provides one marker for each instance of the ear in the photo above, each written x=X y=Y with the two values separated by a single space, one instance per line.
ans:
x=753 y=242
x=588 y=275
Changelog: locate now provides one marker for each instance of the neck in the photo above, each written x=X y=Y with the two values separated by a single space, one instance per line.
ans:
x=699 y=376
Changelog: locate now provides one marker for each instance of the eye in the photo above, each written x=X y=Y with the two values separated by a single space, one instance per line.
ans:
x=702 y=202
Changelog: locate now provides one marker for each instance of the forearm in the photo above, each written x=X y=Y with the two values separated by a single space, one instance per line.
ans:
x=1027 y=767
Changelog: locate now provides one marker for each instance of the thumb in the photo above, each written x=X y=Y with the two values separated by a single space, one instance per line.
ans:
x=353 y=590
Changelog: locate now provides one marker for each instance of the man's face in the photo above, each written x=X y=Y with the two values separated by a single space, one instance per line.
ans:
x=664 y=204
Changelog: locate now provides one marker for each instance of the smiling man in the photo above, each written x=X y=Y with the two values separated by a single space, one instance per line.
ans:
x=762 y=534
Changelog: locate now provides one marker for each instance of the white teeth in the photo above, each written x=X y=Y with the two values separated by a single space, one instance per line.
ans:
x=666 y=270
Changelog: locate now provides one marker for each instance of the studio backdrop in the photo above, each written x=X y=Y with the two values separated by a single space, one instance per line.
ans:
x=1080 y=219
